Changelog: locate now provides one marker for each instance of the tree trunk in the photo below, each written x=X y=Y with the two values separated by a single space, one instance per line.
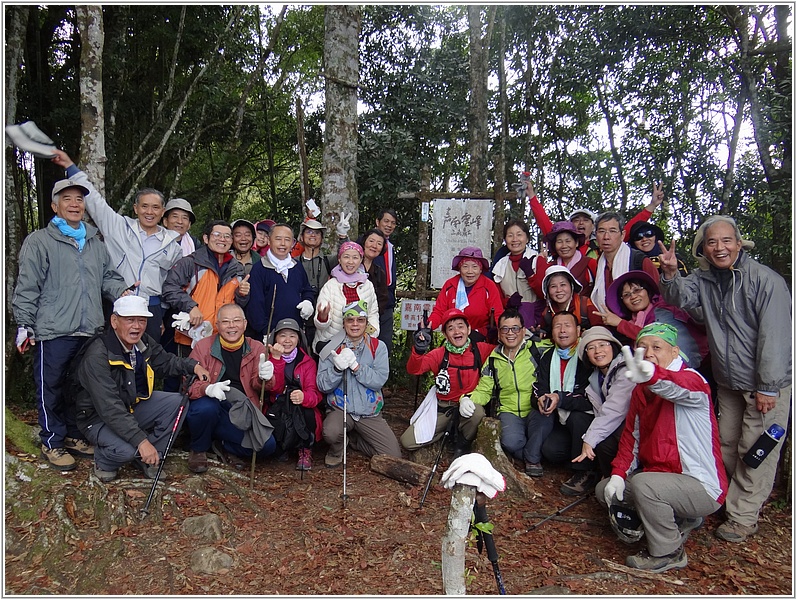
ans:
x=92 y=115
x=618 y=163
x=457 y=529
x=16 y=22
x=726 y=207
x=341 y=65
x=304 y=167
x=478 y=133
x=400 y=469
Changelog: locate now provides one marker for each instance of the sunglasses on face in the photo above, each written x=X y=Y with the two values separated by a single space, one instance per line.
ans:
x=644 y=234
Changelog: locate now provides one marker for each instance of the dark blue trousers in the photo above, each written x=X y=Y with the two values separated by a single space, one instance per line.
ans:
x=208 y=420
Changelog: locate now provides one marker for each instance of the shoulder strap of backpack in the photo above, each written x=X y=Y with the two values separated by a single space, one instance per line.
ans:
x=374 y=345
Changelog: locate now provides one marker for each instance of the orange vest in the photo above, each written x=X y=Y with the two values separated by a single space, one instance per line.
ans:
x=210 y=299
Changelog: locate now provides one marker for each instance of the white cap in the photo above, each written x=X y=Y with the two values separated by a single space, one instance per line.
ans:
x=131 y=306
x=583 y=211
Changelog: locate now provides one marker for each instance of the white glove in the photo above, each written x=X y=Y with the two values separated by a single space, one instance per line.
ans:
x=466 y=407
x=217 y=390
x=203 y=330
x=343 y=225
x=615 y=487
x=474 y=469
x=639 y=369
x=265 y=369
x=343 y=359
x=181 y=321
x=305 y=309
x=23 y=335
x=313 y=207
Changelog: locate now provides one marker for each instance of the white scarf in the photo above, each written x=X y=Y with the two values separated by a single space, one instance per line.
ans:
x=619 y=267
x=187 y=244
x=281 y=266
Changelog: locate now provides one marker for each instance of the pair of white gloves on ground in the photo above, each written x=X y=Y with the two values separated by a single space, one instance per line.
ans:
x=218 y=390
x=474 y=469
x=639 y=371
x=345 y=359
x=342 y=227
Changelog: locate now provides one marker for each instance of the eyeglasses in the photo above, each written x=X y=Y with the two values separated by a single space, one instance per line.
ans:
x=644 y=234
x=610 y=231
x=217 y=235
x=634 y=290
x=596 y=345
x=228 y=322
x=513 y=329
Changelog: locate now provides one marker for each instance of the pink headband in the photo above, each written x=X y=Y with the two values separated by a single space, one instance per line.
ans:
x=350 y=246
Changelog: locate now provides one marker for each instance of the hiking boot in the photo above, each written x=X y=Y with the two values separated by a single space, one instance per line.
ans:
x=228 y=458
x=460 y=448
x=197 y=462
x=59 y=458
x=685 y=525
x=305 y=462
x=104 y=476
x=731 y=531
x=332 y=460
x=533 y=469
x=657 y=564
x=149 y=471
x=78 y=447
x=580 y=483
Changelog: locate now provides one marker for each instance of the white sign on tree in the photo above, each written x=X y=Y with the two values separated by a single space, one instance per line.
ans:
x=456 y=224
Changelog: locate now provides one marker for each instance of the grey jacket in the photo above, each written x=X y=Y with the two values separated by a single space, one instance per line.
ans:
x=123 y=236
x=59 y=290
x=749 y=326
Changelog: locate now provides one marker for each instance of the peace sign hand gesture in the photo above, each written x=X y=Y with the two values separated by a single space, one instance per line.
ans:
x=658 y=194
x=668 y=260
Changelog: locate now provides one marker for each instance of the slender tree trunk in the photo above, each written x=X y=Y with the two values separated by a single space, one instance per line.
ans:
x=726 y=207
x=341 y=66
x=92 y=114
x=618 y=163
x=478 y=132
x=304 y=167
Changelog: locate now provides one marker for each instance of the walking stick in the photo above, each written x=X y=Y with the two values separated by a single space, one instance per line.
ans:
x=345 y=437
x=451 y=425
x=486 y=537
x=559 y=512
x=418 y=377
x=172 y=435
x=254 y=451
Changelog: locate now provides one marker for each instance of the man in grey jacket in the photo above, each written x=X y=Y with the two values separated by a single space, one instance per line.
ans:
x=141 y=250
x=351 y=371
x=747 y=311
x=64 y=270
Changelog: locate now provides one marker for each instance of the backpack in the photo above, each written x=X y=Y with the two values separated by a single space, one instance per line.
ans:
x=290 y=427
x=495 y=397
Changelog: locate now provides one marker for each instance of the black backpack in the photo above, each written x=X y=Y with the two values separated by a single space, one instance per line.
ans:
x=290 y=428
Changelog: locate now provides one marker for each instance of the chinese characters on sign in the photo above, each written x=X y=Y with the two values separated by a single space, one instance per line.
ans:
x=412 y=312
x=456 y=224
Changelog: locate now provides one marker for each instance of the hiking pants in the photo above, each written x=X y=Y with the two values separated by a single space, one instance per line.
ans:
x=369 y=435
x=564 y=442
x=467 y=427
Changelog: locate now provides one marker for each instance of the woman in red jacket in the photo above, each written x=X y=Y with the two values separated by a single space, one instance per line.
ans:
x=294 y=377
x=471 y=291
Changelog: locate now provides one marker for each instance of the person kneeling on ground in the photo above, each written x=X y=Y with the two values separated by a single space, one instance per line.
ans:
x=509 y=373
x=292 y=402
x=457 y=364
x=117 y=409
x=351 y=371
x=225 y=411
x=563 y=412
x=682 y=478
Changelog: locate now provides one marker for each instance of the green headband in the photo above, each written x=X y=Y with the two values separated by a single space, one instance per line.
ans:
x=662 y=330
x=358 y=308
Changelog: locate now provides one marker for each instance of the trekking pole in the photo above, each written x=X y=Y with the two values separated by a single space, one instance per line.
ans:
x=345 y=436
x=172 y=435
x=418 y=377
x=480 y=512
x=439 y=455
x=254 y=453
x=559 y=512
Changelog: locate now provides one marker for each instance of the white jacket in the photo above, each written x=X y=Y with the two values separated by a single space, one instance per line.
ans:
x=122 y=236
x=332 y=294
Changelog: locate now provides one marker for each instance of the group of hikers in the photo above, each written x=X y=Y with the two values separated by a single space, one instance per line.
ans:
x=600 y=351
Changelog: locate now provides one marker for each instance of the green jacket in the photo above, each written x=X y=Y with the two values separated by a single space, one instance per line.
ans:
x=515 y=379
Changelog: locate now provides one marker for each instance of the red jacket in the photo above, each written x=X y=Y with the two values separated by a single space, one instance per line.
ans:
x=677 y=430
x=208 y=352
x=462 y=368
x=306 y=372
x=483 y=296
